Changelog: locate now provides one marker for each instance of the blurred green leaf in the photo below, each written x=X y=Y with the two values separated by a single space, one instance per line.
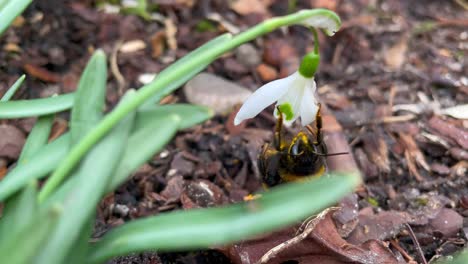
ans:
x=18 y=214
x=143 y=144
x=19 y=208
x=205 y=25
x=87 y=108
x=9 y=10
x=140 y=10
x=459 y=258
x=196 y=229
x=42 y=163
x=37 y=138
x=89 y=101
x=23 y=247
x=12 y=90
x=49 y=156
x=190 y=115
x=168 y=71
x=92 y=178
x=35 y=107
x=81 y=245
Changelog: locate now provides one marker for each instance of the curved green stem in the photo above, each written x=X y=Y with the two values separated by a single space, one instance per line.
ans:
x=159 y=86
x=316 y=40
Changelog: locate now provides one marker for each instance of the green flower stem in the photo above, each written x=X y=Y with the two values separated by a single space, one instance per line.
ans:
x=158 y=85
x=316 y=40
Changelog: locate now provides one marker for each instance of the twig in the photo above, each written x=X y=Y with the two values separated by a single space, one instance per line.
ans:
x=115 y=68
x=416 y=243
x=403 y=252
x=309 y=227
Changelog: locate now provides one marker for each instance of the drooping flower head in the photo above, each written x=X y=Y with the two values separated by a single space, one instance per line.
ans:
x=294 y=95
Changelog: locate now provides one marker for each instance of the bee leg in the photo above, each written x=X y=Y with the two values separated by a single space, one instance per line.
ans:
x=318 y=122
x=278 y=128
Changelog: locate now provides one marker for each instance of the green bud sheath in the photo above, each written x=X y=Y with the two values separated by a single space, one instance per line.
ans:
x=309 y=65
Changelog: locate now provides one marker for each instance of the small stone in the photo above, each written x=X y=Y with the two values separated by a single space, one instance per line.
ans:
x=440 y=169
x=458 y=153
x=183 y=166
x=174 y=189
x=11 y=141
x=447 y=222
x=202 y=194
x=234 y=68
x=57 y=56
x=215 y=92
x=121 y=210
x=266 y=72
x=247 y=55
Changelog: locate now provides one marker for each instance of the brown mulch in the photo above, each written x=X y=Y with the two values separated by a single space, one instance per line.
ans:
x=384 y=76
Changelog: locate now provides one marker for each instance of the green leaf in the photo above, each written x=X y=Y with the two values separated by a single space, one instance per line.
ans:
x=197 y=229
x=19 y=208
x=459 y=258
x=90 y=95
x=12 y=90
x=23 y=247
x=143 y=144
x=18 y=213
x=87 y=108
x=92 y=178
x=48 y=157
x=9 y=10
x=37 y=138
x=189 y=75
x=45 y=160
x=82 y=245
x=35 y=107
x=190 y=115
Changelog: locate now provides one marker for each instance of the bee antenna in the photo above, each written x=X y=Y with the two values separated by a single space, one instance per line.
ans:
x=330 y=154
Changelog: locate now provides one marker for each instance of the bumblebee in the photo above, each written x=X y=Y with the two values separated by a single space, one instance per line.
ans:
x=294 y=160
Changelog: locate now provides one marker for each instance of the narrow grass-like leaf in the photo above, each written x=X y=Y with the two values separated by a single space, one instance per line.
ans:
x=49 y=156
x=18 y=213
x=92 y=176
x=9 y=10
x=193 y=54
x=37 y=138
x=143 y=144
x=87 y=108
x=23 y=247
x=190 y=114
x=12 y=90
x=38 y=166
x=90 y=95
x=35 y=107
x=81 y=245
x=19 y=208
x=196 y=229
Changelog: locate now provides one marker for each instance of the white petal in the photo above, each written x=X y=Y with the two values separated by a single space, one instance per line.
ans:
x=328 y=22
x=263 y=97
x=309 y=105
x=294 y=98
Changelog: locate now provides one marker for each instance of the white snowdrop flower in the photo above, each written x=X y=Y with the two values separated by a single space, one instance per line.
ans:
x=294 y=96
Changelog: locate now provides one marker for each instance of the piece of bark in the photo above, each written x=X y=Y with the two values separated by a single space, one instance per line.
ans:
x=447 y=129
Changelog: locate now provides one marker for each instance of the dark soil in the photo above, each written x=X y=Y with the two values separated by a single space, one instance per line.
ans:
x=385 y=76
